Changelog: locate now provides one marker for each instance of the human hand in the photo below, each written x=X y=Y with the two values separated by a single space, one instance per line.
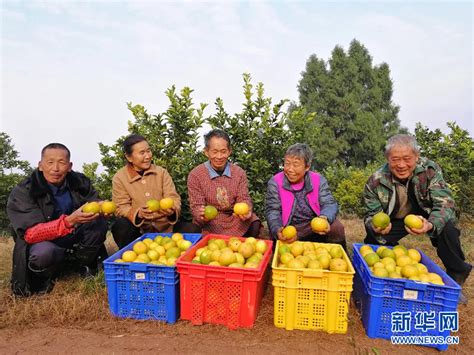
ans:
x=382 y=231
x=328 y=229
x=79 y=217
x=200 y=212
x=427 y=226
x=167 y=212
x=245 y=217
x=282 y=238
x=146 y=214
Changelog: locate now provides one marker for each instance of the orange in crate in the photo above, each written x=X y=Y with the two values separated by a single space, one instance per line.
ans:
x=310 y=299
x=218 y=294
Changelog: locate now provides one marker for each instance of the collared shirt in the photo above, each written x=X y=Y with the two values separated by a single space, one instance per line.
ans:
x=403 y=201
x=213 y=173
x=62 y=199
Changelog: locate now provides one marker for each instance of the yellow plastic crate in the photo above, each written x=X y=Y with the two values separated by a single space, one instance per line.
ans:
x=312 y=299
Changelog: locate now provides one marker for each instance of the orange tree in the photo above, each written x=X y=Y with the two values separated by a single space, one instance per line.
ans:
x=259 y=138
x=454 y=153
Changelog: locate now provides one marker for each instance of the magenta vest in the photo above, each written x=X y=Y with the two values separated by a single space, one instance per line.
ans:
x=287 y=198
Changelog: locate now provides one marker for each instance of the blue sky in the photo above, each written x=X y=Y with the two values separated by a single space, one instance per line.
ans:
x=68 y=68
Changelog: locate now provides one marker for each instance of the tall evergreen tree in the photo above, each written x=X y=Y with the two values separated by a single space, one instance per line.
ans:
x=352 y=104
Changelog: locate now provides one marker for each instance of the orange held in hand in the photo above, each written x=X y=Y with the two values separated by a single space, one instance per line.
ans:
x=108 y=207
x=289 y=232
x=381 y=220
x=412 y=221
x=166 y=203
x=319 y=224
x=241 y=209
x=153 y=205
x=91 y=207
x=210 y=212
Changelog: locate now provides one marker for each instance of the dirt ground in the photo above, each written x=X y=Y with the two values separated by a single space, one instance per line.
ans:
x=51 y=325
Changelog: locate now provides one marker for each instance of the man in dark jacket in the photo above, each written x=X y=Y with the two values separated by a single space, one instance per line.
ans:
x=410 y=184
x=45 y=211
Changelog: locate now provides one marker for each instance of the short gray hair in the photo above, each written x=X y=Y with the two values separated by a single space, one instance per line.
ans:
x=302 y=151
x=402 y=140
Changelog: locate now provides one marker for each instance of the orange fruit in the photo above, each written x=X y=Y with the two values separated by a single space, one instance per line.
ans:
x=286 y=258
x=91 y=207
x=153 y=205
x=403 y=260
x=388 y=253
x=381 y=220
x=337 y=264
x=399 y=250
x=241 y=209
x=371 y=259
x=295 y=264
x=289 y=232
x=140 y=248
x=336 y=252
x=409 y=271
x=173 y=252
x=108 y=207
x=129 y=256
x=314 y=264
x=297 y=249
x=226 y=258
x=177 y=237
x=365 y=249
x=324 y=260
x=412 y=221
x=210 y=212
x=205 y=257
x=319 y=224
x=166 y=203
x=380 y=272
x=414 y=255
x=284 y=248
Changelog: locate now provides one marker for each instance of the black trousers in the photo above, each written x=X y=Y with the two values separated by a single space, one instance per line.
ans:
x=88 y=237
x=447 y=244
x=124 y=232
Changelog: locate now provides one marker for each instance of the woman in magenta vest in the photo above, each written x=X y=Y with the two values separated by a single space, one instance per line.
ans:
x=296 y=195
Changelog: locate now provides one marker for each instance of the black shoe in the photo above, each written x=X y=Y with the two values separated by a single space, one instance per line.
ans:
x=462 y=298
x=460 y=277
x=41 y=285
x=88 y=271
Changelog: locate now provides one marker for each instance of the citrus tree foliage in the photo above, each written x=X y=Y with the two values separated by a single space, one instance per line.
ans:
x=259 y=137
x=454 y=153
x=347 y=185
x=352 y=104
x=258 y=134
x=12 y=171
x=173 y=138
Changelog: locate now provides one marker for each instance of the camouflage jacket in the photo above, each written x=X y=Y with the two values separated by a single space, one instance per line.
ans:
x=431 y=192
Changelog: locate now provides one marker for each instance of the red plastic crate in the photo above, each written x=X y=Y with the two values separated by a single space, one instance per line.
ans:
x=219 y=294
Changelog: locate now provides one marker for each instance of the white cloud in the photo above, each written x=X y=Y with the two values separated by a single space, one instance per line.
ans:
x=69 y=67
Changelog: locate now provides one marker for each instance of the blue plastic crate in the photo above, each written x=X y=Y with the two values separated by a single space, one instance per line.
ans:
x=143 y=291
x=377 y=298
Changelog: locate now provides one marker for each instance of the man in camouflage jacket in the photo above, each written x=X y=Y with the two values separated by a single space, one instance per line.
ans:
x=409 y=184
